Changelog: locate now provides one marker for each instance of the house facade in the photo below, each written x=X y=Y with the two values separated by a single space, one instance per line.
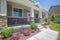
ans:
x=44 y=16
x=15 y=12
x=55 y=10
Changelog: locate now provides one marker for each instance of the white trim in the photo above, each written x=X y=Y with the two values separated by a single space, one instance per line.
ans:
x=22 y=12
x=4 y=6
x=28 y=16
x=16 y=17
x=32 y=12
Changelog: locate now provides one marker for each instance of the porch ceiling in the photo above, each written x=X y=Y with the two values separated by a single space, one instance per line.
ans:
x=36 y=8
x=23 y=2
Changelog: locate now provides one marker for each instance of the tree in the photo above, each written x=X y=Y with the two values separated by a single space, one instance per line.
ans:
x=53 y=17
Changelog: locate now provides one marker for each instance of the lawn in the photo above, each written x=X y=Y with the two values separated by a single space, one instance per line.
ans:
x=57 y=28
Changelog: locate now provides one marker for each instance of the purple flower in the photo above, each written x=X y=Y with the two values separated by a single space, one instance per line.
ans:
x=33 y=31
x=18 y=35
x=26 y=33
x=15 y=36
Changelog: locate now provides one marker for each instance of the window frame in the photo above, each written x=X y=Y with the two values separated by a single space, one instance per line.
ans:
x=17 y=8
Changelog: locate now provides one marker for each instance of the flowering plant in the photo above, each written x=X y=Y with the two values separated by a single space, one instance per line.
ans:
x=33 y=31
x=26 y=33
x=15 y=36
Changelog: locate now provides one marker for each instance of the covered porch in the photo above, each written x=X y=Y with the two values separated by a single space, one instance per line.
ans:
x=18 y=12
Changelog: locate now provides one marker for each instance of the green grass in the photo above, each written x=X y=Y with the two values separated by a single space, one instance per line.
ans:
x=57 y=28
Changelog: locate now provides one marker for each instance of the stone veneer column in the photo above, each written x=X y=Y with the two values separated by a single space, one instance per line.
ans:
x=3 y=14
x=32 y=15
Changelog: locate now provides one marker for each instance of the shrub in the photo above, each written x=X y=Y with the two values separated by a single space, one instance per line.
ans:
x=29 y=28
x=53 y=17
x=34 y=26
x=26 y=33
x=16 y=36
x=7 y=32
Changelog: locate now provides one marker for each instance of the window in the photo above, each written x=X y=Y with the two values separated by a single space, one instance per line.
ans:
x=36 y=15
x=17 y=12
x=20 y=12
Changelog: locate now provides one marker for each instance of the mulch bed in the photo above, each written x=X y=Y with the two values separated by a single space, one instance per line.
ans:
x=25 y=37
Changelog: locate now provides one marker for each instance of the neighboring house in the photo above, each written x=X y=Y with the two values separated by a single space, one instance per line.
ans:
x=15 y=12
x=55 y=10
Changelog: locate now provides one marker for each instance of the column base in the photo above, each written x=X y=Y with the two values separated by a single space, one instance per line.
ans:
x=31 y=20
x=3 y=22
x=40 y=20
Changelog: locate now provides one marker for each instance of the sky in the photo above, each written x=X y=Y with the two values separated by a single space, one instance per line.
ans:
x=46 y=4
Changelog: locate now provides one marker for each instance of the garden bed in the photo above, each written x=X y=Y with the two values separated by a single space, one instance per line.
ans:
x=22 y=34
x=26 y=37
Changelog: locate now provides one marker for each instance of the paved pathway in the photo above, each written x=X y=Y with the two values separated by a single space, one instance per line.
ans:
x=45 y=34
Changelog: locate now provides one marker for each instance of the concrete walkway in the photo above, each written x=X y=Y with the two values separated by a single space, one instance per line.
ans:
x=45 y=34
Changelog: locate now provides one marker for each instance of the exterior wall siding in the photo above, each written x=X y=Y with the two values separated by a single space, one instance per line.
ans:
x=9 y=10
x=0 y=6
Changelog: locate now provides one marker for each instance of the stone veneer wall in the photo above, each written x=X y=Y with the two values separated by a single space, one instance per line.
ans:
x=3 y=22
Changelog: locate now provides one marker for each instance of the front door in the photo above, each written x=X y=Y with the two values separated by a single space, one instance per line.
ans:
x=36 y=18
